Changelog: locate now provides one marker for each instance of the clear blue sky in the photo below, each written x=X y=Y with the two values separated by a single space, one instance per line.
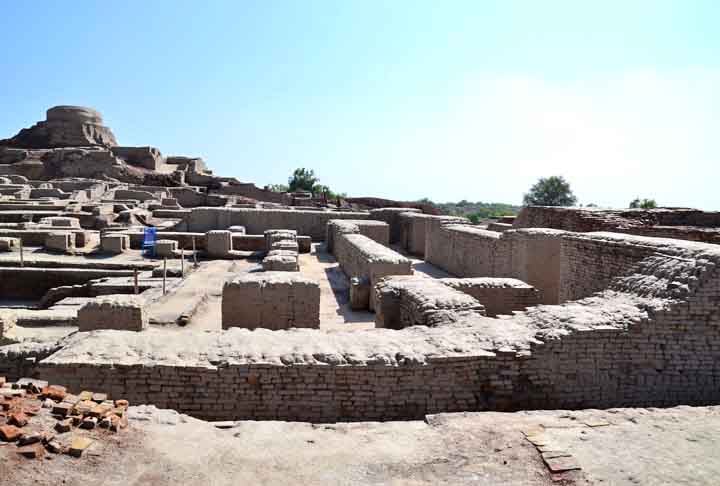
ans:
x=404 y=99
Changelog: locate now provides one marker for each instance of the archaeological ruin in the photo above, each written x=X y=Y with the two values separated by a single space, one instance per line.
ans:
x=148 y=277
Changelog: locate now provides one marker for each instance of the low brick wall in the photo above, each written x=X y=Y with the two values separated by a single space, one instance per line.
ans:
x=499 y=296
x=118 y=312
x=20 y=360
x=33 y=283
x=375 y=230
x=392 y=217
x=313 y=393
x=468 y=251
x=649 y=338
x=413 y=229
x=257 y=221
x=680 y=223
x=37 y=237
x=417 y=301
x=359 y=256
x=271 y=300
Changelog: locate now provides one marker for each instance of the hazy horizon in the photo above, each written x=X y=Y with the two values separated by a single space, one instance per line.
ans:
x=402 y=100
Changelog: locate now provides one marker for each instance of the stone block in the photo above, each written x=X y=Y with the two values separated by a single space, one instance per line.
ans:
x=271 y=300
x=62 y=241
x=119 y=312
x=281 y=261
x=8 y=244
x=304 y=244
x=219 y=243
x=165 y=248
x=404 y=301
x=272 y=236
x=114 y=243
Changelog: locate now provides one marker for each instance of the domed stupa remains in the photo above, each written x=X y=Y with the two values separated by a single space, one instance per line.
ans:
x=65 y=126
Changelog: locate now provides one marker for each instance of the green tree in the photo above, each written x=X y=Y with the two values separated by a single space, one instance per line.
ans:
x=643 y=203
x=302 y=180
x=277 y=187
x=550 y=191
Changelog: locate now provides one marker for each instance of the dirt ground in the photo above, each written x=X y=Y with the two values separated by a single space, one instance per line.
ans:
x=676 y=446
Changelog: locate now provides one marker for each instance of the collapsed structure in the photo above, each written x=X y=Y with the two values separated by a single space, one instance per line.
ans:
x=249 y=304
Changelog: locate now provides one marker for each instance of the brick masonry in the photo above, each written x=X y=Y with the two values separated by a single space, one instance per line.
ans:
x=650 y=337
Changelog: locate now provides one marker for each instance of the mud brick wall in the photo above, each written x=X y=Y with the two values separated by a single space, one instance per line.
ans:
x=303 y=392
x=271 y=300
x=257 y=221
x=392 y=217
x=650 y=338
x=679 y=223
x=588 y=265
x=359 y=256
x=417 y=301
x=33 y=283
x=497 y=295
x=468 y=251
x=413 y=229
x=20 y=360
x=536 y=256
x=672 y=357
x=119 y=312
x=37 y=237
x=375 y=230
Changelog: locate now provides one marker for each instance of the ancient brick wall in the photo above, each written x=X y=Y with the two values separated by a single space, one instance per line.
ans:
x=315 y=393
x=359 y=256
x=257 y=221
x=32 y=283
x=417 y=301
x=413 y=229
x=589 y=264
x=392 y=217
x=468 y=251
x=497 y=295
x=375 y=230
x=679 y=223
x=271 y=300
x=650 y=338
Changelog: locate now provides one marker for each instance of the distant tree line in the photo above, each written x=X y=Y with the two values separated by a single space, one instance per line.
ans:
x=474 y=211
x=303 y=179
x=547 y=191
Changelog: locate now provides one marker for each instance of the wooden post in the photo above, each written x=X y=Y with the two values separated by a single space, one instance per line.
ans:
x=135 y=280
x=22 y=256
x=182 y=262
x=164 y=273
x=194 y=252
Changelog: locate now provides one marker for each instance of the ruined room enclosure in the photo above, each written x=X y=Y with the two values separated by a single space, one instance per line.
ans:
x=248 y=304
x=358 y=327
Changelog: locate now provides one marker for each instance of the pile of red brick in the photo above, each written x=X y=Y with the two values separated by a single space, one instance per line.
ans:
x=39 y=417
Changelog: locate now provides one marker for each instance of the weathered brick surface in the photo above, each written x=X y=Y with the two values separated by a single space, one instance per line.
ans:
x=649 y=337
x=219 y=243
x=413 y=229
x=680 y=223
x=392 y=217
x=359 y=256
x=119 y=312
x=375 y=230
x=271 y=300
x=497 y=295
x=257 y=221
x=411 y=301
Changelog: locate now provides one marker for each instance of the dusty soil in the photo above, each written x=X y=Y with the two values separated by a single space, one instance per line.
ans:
x=674 y=446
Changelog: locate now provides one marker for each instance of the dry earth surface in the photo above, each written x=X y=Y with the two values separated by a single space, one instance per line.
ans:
x=676 y=446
